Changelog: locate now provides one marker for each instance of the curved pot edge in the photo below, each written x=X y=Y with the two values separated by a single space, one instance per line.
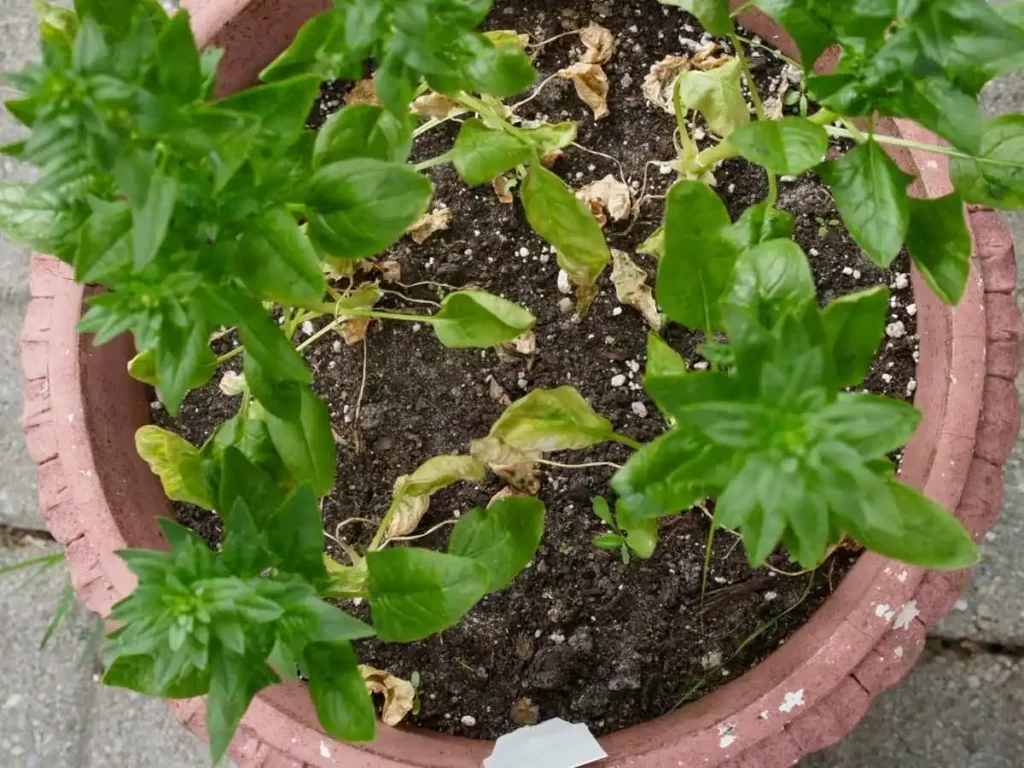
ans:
x=878 y=650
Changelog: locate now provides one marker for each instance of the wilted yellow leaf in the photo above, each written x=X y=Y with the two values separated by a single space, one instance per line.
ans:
x=429 y=223
x=600 y=44
x=660 y=81
x=502 y=37
x=705 y=59
x=591 y=86
x=436 y=105
x=354 y=329
x=232 y=383
x=411 y=496
x=607 y=198
x=631 y=288
x=503 y=189
x=515 y=467
x=399 y=695
x=363 y=92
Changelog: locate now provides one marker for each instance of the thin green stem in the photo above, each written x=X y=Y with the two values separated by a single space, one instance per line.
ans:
x=742 y=9
x=689 y=146
x=764 y=47
x=624 y=440
x=321 y=333
x=773 y=189
x=857 y=133
x=408 y=317
x=897 y=142
x=748 y=75
x=230 y=355
x=707 y=557
x=438 y=160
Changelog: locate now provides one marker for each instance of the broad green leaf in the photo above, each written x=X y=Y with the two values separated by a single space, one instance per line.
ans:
x=771 y=279
x=151 y=217
x=713 y=14
x=551 y=420
x=555 y=214
x=478 y=319
x=306 y=443
x=871 y=194
x=662 y=360
x=177 y=463
x=641 y=532
x=811 y=34
x=481 y=153
x=277 y=262
x=241 y=478
x=608 y=541
x=787 y=146
x=311 y=51
x=668 y=475
x=417 y=592
x=343 y=706
x=359 y=207
x=182 y=355
x=502 y=69
x=279 y=397
x=853 y=326
x=757 y=501
x=362 y=130
x=996 y=176
x=262 y=337
x=503 y=538
x=931 y=536
x=235 y=682
x=674 y=392
x=250 y=436
x=296 y=535
x=40 y=220
x=244 y=549
x=760 y=223
x=870 y=424
x=696 y=269
x=139 y=673
x=282 y=106
x=104 y=243
x=716 y=94
x=178 y=59
x=550 y=137
x=115 y=14
x=940 y=244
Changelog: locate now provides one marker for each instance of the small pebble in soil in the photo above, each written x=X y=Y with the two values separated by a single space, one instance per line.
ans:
x=896 y=330
x=911 y=309
x=468 y=720
x=902 y=281
x=618 y=380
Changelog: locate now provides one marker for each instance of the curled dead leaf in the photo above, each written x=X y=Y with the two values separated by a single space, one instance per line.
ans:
x=411 y=495
x=599 y=42
x=435 y=221
x=389 y=268
x=549 y=159
x=232 y=383
x=363 y=92
x=515 y=467
x=607 y=198
x=436 y=105
x=497 y=392
x=503 y=189
x=591 y=86
x=658 y=84
x=337 y=269
x=399 y=695
x=526 y=344
x=707 y=58
x=631 y=287
x=773 y=104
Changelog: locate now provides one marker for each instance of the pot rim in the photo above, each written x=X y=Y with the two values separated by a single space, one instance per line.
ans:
x=98 y=496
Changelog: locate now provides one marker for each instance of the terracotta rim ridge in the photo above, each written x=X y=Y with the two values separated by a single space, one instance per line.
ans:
x=81 y=411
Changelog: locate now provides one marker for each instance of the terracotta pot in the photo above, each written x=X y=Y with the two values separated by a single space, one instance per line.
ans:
x=81 y=411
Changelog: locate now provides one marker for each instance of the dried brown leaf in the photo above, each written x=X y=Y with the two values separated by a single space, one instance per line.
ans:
x=607 y=198
x=524 y=712
x=515 y=467
x=354 y=329
x=363 y=92
x=503 y=189
x=399 y=695
x=591 y=86
x=504 y=493
x=497 y=392
x=232 y=383
x=631 y=287
x=548 y=160
x=660 y=81
x=706 y=59
x=435 y=221
x=436 y=105
x=599 y=42
x=389 y=268
x=526 y=344
x=407 y=515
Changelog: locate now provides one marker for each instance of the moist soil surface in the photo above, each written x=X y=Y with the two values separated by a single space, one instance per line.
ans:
x=579 y=635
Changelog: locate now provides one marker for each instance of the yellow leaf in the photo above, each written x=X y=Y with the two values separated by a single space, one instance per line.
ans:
x=631 y=288
x=607 y=198
x=436 y=105
x=363 y=92
x=399 y=695
x=411 y=496
x=660 y=81
x=591 y=86
x=429 y=223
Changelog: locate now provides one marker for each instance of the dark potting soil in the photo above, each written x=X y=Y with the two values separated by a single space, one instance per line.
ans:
x=578 y=635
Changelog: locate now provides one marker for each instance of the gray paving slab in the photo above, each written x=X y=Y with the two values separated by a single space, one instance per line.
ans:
x=953 y=711
x=17 y=474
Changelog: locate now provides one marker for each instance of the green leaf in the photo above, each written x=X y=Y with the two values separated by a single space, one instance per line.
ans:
x=811 y=34
x=696 y=269
x=116 y=14
x=654 y=245
x=362 y=130
x=438 y=472
x=282 y=106
x=791 y=145
x=501 y=70
x=550 y=137
x=870 y=424
x=772 y=279
x=177 y=463
x=263 y=338
x=343 y=706
x=662 y=360
x=182 y=356
x=57 y=26
x=716 y=94
x=478 y=319
x=713 y=14
x=555 y=214
x=940 y=244
x=871 y=194
x=551 y=420
x=277 y=262
x=311 y=51
x=306 y=442
x=669 y=475
x=359 y=207
x=138 y=673
x=481 y=153
x=996 y=176
x=43 y=221
x=104 y=243
x=244 y=551
x=602 y=510
x=608 y=541
x=416 y=592
x=502 y=538
x=235 y=682
x=760 y=223
x=151 y=217
x=853 y=326
x=178 y=59
x=931 y=536
x=641 y=532
x=296 y=535
x=241 y=478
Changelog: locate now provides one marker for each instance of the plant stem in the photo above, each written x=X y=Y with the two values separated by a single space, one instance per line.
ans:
x=624 y=440
x=897 y=142
x=748 y=75
x=773 y=189
x=438 y=160
x=743 y=8
x=230 y=355
x=689 y=147
x=321 y=333
x=331 y=309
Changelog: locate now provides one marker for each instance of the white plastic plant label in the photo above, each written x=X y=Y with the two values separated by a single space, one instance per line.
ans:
x=551 y=744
